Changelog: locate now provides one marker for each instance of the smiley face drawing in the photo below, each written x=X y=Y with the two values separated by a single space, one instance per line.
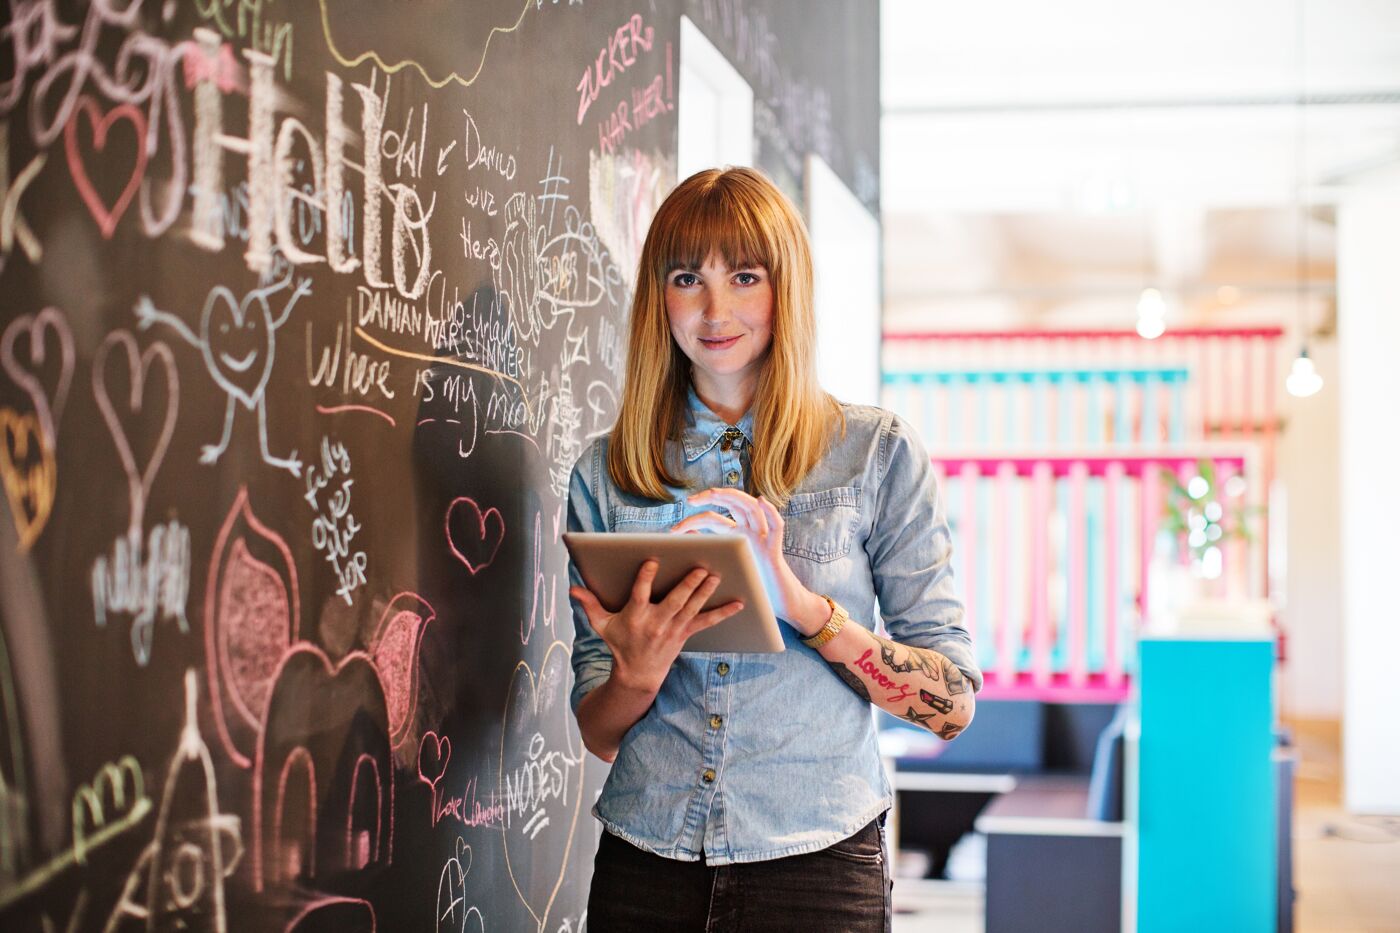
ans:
x=238 y=339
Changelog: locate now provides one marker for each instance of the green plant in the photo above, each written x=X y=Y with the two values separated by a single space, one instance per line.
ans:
x=1207 y=512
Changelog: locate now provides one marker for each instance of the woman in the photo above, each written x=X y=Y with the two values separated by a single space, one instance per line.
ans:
x=747 y=791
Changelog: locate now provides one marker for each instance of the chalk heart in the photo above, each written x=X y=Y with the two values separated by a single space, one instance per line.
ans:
x=107 y=217
x=237 y=337
x=27 y=470
x=434 y=752
x=128 y=416
x=473 y=535
x=541 y=780
x=37 y=352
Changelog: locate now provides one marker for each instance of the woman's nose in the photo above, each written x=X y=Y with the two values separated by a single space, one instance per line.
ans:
x=716 y=309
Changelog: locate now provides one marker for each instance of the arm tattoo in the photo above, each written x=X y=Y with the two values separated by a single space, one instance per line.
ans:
x=919 y=719
x=949 y=730
x=852 y=681
x=920 y=659
x=936 y=702
x=954 y=677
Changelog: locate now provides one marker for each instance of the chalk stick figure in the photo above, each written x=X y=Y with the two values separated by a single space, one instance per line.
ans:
x=238 y=340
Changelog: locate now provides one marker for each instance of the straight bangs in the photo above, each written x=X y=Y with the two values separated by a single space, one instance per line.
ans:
x=712 y=219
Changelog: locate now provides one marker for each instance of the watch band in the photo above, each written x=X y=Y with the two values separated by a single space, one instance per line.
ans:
x=827 y=632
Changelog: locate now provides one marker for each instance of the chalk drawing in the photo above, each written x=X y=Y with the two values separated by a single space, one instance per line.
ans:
x=148 y=578
x=252 y=615
x=394 y=647
x=14 y=228
x=300 y=783
x=473 y=536
x=178 y=882
x=453 y=913
x=452 y=77
x=34 y=349
x=541 y=778
x=139 y=369
x=238 y=339
x=107 y=217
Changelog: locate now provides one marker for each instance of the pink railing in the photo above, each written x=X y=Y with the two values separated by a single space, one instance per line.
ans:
x=1053 y=556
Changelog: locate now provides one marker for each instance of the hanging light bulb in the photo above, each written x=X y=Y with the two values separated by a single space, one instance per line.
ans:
x=1303 y=379
x=1152 y=313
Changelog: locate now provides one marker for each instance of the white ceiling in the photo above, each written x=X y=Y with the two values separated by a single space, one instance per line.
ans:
x=1118 y=124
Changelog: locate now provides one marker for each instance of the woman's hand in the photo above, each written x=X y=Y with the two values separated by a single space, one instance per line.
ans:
x=761 y=522
x=645 y=637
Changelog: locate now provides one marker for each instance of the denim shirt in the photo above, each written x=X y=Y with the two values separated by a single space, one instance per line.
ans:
x=747 y=757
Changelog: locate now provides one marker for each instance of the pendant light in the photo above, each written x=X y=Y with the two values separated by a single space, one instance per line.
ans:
x=1303 y=378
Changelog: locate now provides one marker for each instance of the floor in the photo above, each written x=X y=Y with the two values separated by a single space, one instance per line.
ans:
x=1346 y=867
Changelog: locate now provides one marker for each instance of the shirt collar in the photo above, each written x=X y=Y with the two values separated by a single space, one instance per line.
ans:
x=704 y=428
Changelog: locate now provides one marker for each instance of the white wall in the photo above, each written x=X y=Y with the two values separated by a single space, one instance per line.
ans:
x=846 y=256
x=1368 y=303
x=1310 y=683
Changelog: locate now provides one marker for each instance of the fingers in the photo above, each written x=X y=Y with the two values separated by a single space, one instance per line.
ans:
x=683 y=591
x=597 y=615
x=698 y=598
x=705 y=521
x=754 y=514
x=713 y=617
x=641 y=586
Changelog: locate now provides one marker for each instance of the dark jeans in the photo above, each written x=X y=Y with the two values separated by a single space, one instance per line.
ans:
x=845 y=888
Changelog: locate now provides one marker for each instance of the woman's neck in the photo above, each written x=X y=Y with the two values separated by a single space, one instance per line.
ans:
x=729 y=406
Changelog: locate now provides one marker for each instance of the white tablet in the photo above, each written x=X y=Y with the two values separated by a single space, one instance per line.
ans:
x=608 y=563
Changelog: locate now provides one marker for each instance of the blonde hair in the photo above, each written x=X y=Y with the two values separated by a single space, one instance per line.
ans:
x=740 y=215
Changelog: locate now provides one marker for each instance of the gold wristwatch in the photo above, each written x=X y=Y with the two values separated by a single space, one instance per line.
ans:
x=838 y=620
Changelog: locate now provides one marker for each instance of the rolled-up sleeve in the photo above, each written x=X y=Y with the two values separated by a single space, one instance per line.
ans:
x=592 y=662
x=911 y=549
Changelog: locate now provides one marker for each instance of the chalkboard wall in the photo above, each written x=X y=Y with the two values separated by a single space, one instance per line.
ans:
x=306 y=310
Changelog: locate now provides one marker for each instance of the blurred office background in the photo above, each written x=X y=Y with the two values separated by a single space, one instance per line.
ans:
x=1109 y=232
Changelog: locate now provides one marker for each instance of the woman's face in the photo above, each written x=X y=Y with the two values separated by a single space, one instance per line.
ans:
x=722 y=319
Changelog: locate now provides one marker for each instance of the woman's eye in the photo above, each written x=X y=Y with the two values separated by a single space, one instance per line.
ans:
x=746 y=278
x=684 y=280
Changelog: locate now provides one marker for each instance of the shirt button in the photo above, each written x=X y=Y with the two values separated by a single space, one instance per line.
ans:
x=716 y=721
x=721 y=668
x=708 y=776
x=731 y=477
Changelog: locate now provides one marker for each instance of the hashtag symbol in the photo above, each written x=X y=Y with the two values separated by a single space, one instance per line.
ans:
x=550 y=187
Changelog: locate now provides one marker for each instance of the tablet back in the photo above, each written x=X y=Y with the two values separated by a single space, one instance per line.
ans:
x=608 y=563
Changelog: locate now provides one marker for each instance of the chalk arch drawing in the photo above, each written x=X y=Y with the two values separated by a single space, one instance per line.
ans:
x=346 y=700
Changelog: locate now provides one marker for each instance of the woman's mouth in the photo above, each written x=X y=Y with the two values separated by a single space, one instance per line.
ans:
x=718 y=343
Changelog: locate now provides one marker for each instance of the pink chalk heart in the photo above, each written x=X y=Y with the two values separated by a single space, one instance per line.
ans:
x=107 y=218
x=130 y=414
x=473 y=535
x=434 y=752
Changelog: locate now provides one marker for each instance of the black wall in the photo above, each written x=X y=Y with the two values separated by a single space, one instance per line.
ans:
x=306 y=310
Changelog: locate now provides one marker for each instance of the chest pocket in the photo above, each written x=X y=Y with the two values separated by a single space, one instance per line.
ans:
x=651 y=518
x=821 y=525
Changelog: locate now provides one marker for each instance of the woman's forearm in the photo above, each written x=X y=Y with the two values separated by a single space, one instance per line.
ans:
x=608 y=711
x=918 y=685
